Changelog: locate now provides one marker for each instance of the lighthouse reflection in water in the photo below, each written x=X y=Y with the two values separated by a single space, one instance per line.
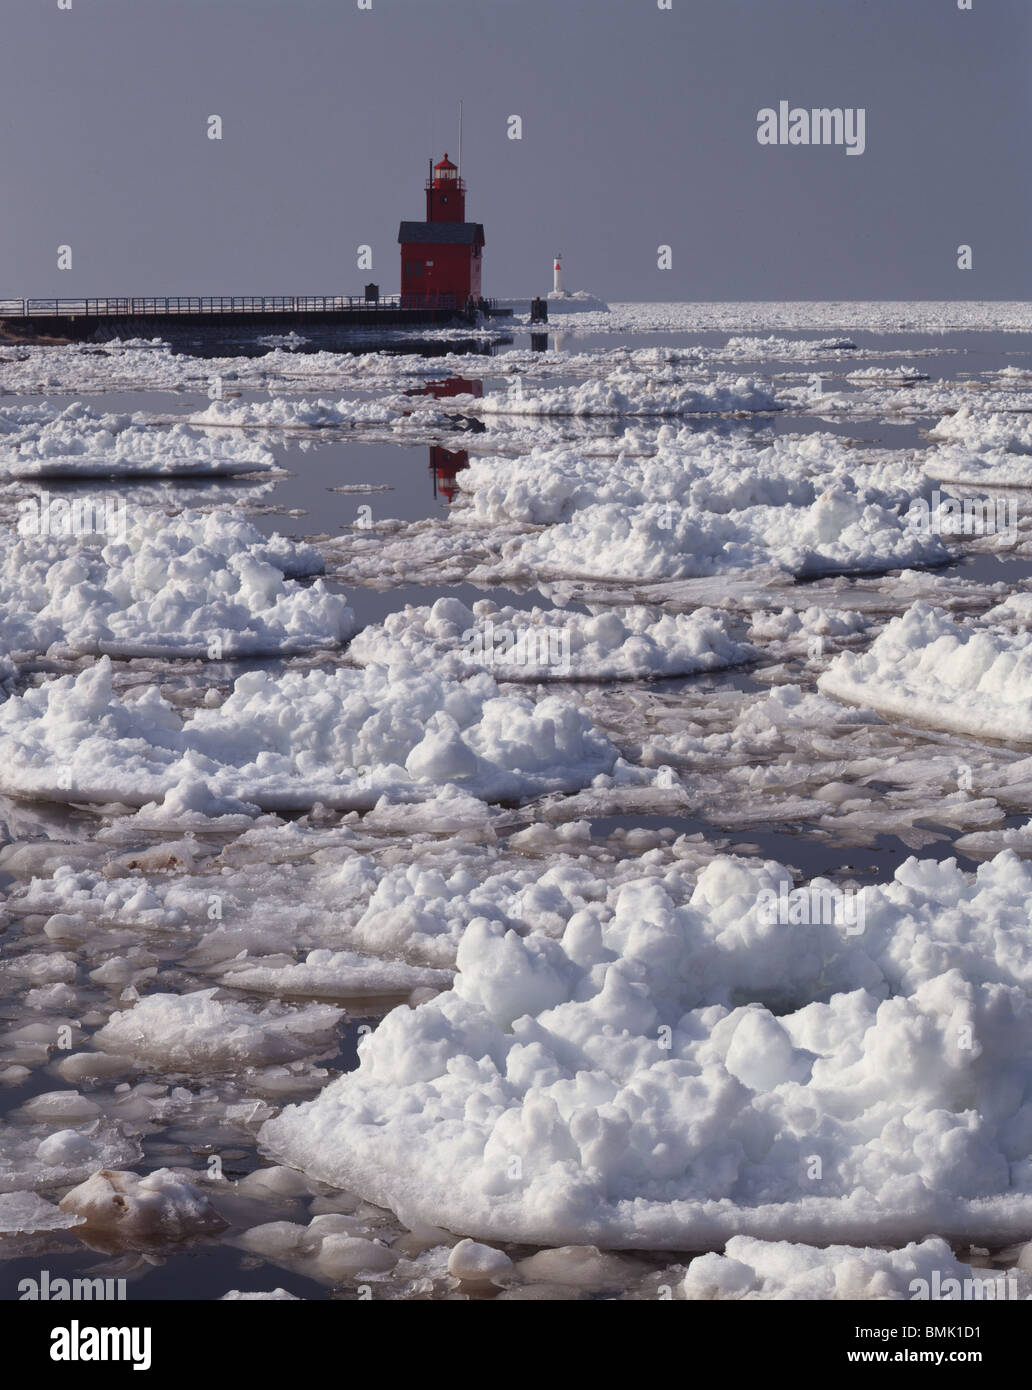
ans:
x=446 y=463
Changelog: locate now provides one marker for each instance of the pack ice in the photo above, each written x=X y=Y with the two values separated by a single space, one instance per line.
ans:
x=931 y=669
x=78 y=442
x=344 y=738
x=980 y=447
x=835 y=533
x=541 y=644
x=627 y=393
x=701 y=470
x=867 y=316
x=166 y=587
x=700 y=506
x=667 y=1076
x=758 y=1269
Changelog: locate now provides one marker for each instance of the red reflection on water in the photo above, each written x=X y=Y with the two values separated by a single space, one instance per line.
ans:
x=444 y=464
x=450 y=386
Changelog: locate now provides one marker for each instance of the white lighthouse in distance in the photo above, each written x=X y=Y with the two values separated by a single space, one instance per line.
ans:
x=559 y=298
x=562 y=302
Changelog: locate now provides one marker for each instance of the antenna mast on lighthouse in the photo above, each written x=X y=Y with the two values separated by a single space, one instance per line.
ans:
x=459 y=174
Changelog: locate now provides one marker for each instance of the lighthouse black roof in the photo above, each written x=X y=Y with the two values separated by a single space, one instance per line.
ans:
x=442 y=233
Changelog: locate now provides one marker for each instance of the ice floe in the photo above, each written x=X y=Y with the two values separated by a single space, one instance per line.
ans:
x=34 y=1156
x=626 y=394
x=664 y=509
x=198 y=1032
x=331 y=975
x=343 y=738
x=123 y=1209
x=77 y=442
x=980 y=431
x=702 y=470
x=24 y=1212
x=284 y=414
x=993 y=469
x=191 y=585
x=540 y=644
x=656 y=541
x=662 y=1076
x=757 y=1269
x=981 y=448
x=929 y=668
x=328 y=1249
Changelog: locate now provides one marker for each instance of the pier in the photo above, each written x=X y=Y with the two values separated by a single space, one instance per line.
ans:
x=78 y=320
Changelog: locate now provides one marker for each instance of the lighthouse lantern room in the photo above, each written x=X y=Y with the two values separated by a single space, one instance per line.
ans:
x=441 y=257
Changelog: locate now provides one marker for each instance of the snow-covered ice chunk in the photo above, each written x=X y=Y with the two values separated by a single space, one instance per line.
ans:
x=758 y=1269
x=980 y=431
x=69 y=466
x=542 y=644
x=994 y=469
x=284 y=414
x=127 y=1209
x=837 y=532
x=475 y=1263
x=327 y=1249
x=992 y=842
x=926 y=667
x=343 y=738
x=199 y=1033
x=982 y=448
x=327 y=974
x=274 y=1296
x=78 y=442
x=167 y=586
x=664 y=1077
x=624 y=393
x=577 y=1267
x=1016 y=608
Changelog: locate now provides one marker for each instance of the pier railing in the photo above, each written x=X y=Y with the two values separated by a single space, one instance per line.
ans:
x=214 y=304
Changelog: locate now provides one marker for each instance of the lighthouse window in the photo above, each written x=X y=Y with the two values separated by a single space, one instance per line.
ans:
x=429 y=263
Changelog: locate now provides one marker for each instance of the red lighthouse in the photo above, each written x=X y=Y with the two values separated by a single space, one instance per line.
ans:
x=441 y=257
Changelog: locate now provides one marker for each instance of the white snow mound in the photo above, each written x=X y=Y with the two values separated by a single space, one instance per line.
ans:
x=930 y=669
x=344 y=738
x=555 y=644
x=197 y=1032
x=663 y=1077
x=758 y=1269
x=191 y=585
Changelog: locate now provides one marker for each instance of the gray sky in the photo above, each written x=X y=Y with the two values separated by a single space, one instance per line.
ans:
x=639 y=129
